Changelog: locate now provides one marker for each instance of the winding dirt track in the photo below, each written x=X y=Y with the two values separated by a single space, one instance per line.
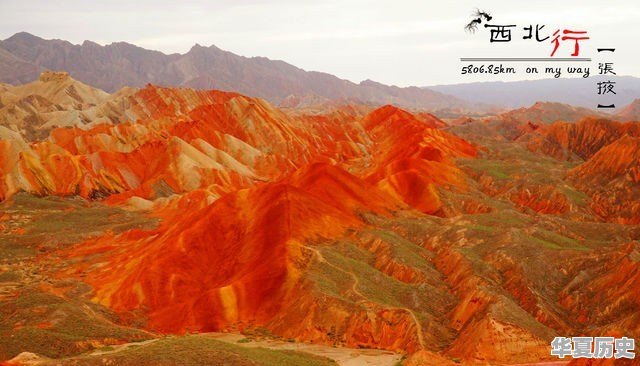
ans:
x=342 y=356
x=354 y=288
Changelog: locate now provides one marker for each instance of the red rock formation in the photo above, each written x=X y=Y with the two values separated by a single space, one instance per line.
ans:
x=234 y=263
x=548 y=112
x=611 y=178
x=484 y=333
x=630 y=112
x=412 y=157
x=580 y=140
x=544 y=199
x=243 y=191
x=386 y=263
x=223 y=141
x=240 y=260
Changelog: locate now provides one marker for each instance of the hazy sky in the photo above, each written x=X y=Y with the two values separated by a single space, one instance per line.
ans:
x=417 y=42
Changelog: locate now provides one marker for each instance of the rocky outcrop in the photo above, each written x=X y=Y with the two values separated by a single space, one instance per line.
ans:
x=580 y=140
x=54 y=100
x=247 y=195
x=611 y=177
x=630 y=112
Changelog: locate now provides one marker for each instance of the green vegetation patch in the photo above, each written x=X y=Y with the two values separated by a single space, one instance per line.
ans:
x=51 y=326
x=201 y=350
x=553 y=240
x=50 y=221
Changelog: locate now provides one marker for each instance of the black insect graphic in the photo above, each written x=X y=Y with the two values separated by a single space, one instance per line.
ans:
x=478 y=15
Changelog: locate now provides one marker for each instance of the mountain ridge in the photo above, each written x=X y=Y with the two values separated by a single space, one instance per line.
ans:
x=579 y=92
x=120 y=64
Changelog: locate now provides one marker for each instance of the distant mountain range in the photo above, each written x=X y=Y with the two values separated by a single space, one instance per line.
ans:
x=549 y=112
x=581 y=92
x=23 y=56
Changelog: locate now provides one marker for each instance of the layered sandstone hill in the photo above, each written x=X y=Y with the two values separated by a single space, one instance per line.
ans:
x=612 y=178
x=186 y=139
x=337 y=224
x=630 y=112
x=236 y=261
x=548 y=112
x=589 y=291
x=607 y=151
x=249 y=196
x=54 y=100
x=518 y=124
x=580 y=140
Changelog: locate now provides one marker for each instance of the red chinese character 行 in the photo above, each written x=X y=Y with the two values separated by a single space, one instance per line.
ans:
x=568 y=35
